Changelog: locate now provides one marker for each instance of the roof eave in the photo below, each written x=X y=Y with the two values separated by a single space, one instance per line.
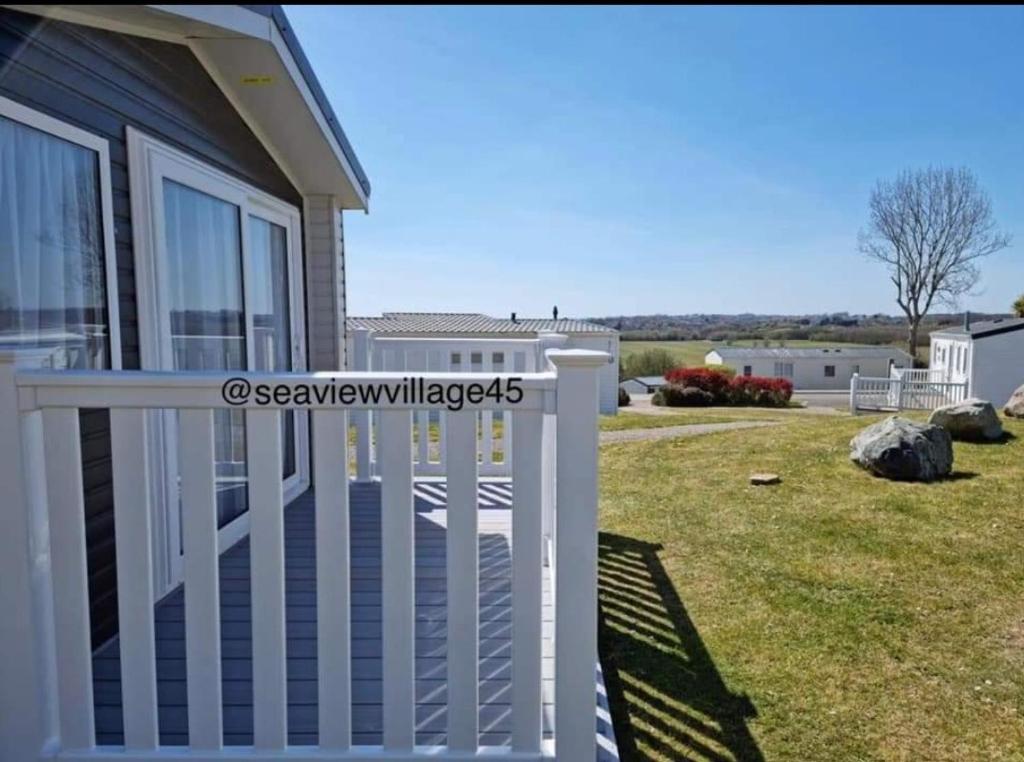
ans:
x=255 y=59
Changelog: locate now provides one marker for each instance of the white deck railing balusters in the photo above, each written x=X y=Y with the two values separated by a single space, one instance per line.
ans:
x=550 y=450
x=486 y=419
x=62 y=449
x=463 y=567
x=202 y=586
x=333 y=580
x=266 y=561
x=903 y=391
x=398 y=569
x=527 y=580
x=134 y=578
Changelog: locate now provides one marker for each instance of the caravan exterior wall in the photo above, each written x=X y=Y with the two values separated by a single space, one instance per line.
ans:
x=825 y=372
x=997 y=367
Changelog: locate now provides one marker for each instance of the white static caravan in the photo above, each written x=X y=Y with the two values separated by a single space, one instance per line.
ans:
x=819 y=368
x=494 y=338
x=987 y=356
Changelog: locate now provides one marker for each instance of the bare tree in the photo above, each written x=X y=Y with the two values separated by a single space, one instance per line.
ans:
x=930 y=228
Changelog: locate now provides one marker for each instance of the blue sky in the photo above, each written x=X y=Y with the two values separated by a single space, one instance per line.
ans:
x=642 y=160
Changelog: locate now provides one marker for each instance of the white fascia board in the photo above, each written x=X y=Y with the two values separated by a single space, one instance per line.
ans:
x=246 y=23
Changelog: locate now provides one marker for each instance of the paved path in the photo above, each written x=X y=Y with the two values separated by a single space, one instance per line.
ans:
x=817 y=403
x=669 y=432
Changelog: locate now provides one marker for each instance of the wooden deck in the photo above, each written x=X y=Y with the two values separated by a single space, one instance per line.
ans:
x=236 y=645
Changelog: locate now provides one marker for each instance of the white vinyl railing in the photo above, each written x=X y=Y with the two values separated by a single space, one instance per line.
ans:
x=899 y=393
x=918 y=375
x=369 y=352
x=46 y=693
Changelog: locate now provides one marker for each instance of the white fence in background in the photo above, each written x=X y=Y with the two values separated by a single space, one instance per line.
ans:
x=46 y=692
x=445 y=355
x=919 y=375
x=902 y=392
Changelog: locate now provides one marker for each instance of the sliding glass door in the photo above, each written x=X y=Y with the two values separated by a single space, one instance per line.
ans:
x=207 y=315
x=271 y=315
x=224 y=296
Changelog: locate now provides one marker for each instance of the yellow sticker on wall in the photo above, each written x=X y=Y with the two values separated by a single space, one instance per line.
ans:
x=261 y=79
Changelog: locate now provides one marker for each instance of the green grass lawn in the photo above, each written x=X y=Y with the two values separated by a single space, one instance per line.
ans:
x=686 y=417
x=834 y=617
x=690 y=353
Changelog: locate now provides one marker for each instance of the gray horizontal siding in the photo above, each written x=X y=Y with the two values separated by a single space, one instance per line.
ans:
x=102 y=82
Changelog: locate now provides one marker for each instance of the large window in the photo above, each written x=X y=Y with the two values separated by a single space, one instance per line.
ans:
x=54 y=239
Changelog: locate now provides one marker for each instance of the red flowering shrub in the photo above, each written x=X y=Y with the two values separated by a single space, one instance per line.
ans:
x=722 y=387
x=714 y=382
x=760 y=391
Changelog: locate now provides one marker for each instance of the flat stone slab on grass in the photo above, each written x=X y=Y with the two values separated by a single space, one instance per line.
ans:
x=763 y=480
x=972 y=420
x=903 y=450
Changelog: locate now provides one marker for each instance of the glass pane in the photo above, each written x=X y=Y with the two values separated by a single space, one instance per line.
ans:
x=204 y=263
x=271 y=315
x=52 y=283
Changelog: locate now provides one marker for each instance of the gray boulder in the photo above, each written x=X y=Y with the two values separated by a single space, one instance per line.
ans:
x=972 y=420
x=1015 y=407
x=903 y=450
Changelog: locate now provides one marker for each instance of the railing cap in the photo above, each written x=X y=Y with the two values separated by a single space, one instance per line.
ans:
x=577 y=358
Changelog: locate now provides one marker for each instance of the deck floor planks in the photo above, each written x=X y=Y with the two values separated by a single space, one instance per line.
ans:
x=300 y=595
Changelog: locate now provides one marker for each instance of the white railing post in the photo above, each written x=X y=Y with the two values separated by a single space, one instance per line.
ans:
x=854 y=380
x=546 y=341
x=576 y=552
x=28 y=689
x=361 y=418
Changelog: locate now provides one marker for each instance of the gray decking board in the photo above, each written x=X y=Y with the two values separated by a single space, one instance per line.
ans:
x=300 y=598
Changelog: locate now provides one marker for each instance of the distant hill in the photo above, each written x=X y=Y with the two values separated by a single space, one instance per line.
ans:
x=837 y=326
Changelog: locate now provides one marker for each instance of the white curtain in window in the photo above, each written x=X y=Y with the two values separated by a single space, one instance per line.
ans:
x=207 y=314
x=52 y=285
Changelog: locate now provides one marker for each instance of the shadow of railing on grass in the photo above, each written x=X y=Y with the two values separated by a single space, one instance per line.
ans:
x=668 y=699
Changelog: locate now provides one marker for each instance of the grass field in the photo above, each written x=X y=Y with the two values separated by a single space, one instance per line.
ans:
x=689 y=417
x=692 y=353
x=834 y=617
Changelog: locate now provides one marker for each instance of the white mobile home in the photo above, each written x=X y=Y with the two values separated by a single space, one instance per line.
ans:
x=173 y=383
x=490 y=332
x=811 y=368
x=987 y=356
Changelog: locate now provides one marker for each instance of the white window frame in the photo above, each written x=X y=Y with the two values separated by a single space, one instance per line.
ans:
x=150 y=161
x=37 y=120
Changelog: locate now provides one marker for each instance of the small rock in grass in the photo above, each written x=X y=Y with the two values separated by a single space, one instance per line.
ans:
x=761 y=480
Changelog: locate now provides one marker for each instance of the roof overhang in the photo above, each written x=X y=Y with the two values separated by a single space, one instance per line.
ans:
x=252 y=55
x=977 y=336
